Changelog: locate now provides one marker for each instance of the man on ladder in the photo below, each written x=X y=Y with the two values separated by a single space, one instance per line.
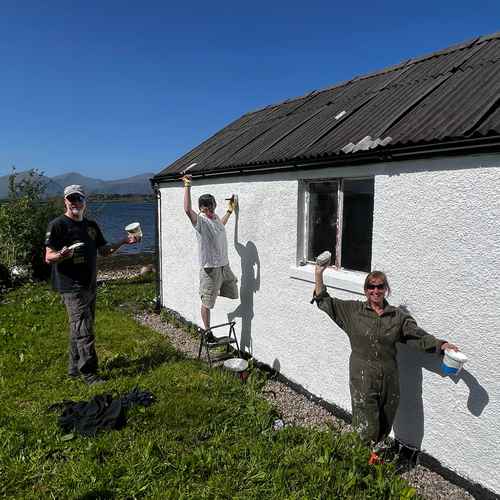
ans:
x=216 y=277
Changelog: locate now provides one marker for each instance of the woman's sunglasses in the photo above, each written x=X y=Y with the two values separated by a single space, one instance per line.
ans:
x=371 y=286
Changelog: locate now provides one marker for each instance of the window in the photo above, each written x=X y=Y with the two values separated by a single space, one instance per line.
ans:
x=339 y=218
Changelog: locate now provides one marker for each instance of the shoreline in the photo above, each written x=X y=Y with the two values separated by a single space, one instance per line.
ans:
x=124 y=261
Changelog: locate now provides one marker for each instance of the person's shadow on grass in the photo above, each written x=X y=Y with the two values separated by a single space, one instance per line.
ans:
x=130 y=366
x=249 y=285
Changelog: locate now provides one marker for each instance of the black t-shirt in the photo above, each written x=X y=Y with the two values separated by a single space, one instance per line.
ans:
x=79 y=271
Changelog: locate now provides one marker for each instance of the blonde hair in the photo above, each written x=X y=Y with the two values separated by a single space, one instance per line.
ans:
x=378 y=275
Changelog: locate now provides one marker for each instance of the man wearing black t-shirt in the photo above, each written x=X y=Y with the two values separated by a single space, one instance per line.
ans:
x=72 y=243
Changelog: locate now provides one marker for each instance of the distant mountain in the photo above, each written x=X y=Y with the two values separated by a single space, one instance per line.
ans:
x=91 y=185
x=137 y=184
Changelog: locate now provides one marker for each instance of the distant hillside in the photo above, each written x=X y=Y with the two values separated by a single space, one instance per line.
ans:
x=138 y=184
x=93 y=185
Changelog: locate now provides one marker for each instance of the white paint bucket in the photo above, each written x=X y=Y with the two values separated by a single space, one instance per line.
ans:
x=134 y=229
x=453 y=361
x=238 y=366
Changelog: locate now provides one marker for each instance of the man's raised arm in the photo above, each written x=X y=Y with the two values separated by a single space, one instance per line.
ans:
x=193 y=217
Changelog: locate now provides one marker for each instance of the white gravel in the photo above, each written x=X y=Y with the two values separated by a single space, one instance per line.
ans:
x=126 y=273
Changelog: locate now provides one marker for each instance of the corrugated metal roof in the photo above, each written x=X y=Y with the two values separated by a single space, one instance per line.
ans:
x=449 y=95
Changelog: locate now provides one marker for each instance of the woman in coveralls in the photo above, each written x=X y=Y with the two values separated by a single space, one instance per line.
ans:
x=373 y=328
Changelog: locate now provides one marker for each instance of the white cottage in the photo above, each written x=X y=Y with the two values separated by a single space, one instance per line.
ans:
x=397 y=170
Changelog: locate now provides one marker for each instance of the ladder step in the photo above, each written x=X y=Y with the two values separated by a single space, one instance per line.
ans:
x=221 y=341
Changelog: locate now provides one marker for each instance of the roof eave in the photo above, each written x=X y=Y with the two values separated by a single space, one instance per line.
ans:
x=380 y=154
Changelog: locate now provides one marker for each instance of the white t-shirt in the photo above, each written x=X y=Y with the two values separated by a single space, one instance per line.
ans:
x=212 y=241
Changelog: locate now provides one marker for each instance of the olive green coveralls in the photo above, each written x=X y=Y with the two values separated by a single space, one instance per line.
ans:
x=373 y=368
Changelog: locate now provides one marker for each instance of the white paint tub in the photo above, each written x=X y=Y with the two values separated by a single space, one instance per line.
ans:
x=453 y=361
x=238 y=366
x=134 y=229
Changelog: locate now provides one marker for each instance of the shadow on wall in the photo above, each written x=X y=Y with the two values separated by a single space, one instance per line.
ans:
x=249 y=285
x=276 y=366
x=409 y=422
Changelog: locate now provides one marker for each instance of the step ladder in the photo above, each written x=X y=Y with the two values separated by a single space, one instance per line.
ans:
x=209 y=341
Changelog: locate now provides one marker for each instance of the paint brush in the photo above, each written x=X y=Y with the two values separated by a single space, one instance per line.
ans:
x=233 y=200
x=183 y=172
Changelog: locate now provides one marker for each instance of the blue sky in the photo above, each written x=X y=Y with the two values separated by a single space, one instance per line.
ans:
x=113 y=89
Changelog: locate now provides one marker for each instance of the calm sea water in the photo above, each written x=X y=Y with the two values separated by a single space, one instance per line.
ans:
x=112 y=218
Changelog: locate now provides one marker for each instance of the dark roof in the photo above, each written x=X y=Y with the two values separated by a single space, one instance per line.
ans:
x=449 y=97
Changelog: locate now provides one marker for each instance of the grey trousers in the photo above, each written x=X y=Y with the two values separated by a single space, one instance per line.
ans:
x=81 y=314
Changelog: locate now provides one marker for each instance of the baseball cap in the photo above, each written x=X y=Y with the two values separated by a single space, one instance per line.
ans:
x=74 y=189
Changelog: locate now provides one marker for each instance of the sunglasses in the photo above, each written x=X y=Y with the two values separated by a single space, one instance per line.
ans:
x=75 y=198
x=371 y=286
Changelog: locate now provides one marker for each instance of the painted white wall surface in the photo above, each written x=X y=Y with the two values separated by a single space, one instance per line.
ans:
x=436 y=235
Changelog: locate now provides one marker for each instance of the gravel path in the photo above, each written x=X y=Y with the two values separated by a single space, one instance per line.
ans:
x=294 y=408
x=110 y=275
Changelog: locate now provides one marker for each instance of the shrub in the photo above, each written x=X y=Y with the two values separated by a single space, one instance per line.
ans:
x=23 y=222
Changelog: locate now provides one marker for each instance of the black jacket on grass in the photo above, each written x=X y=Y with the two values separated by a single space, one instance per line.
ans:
x=102 y=412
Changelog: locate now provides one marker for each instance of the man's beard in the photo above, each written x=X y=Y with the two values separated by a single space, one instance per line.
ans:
x=77 y=212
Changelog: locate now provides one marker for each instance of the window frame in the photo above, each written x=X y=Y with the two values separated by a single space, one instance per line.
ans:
x=304 y=209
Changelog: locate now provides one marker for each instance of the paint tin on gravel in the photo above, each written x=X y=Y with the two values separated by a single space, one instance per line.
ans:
x=238 y=366
x=453 y=361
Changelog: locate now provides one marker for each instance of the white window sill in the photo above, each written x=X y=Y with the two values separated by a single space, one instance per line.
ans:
x=352 y=281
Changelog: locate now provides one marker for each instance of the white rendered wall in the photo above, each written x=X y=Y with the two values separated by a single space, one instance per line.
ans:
x=436 y=235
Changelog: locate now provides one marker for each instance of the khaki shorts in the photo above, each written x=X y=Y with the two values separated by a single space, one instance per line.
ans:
x=216 y=281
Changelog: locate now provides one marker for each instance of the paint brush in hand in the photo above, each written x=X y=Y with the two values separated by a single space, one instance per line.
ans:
x=183 y=172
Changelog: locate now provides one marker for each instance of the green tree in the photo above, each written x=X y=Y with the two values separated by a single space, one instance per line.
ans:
x=23 y=222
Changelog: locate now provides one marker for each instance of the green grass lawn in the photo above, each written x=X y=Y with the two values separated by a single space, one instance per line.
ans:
x=207 y=436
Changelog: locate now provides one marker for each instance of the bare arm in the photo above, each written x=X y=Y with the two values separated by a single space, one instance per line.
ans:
x=113 y=247
x=226 y=217
x=318 y=278
x=53 y=256
x=193 y=217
